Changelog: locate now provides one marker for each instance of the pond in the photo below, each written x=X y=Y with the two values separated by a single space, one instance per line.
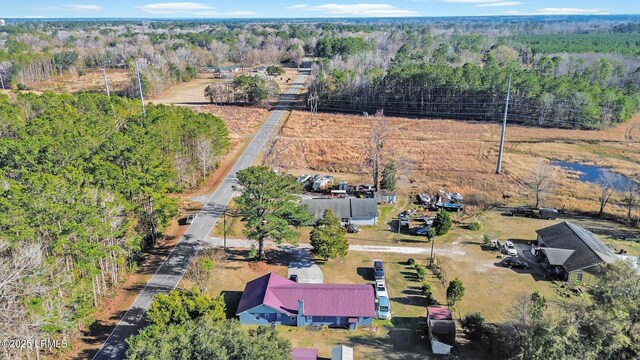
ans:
x=591 y=173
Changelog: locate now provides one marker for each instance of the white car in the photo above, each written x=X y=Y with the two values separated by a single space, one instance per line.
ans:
x=190 y=218
x=510 y=248
x=381 y=289
x=455 y=196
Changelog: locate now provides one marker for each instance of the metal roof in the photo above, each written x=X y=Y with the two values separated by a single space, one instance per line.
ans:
x=283 y=294
x=557 y=256
x=343 y=208
x=588 y=249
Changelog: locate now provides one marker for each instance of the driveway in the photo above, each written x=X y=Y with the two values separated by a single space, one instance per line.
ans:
x=524 y=252
x=303 y=266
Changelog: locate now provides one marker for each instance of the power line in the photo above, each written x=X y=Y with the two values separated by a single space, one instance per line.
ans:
x=313 y=104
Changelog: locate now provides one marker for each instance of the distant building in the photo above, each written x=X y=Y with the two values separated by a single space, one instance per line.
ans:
x=442 y=330
x=349 y=210
x=272 y=299
x=570 y=252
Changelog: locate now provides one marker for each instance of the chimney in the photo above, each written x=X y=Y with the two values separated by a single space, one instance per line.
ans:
x=301 y=318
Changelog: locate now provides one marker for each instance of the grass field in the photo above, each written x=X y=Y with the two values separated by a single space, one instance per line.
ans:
x=461 y=156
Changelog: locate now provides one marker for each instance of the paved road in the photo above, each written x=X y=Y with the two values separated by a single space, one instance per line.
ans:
x=171 y=271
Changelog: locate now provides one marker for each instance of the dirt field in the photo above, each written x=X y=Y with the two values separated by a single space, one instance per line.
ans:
x=91 y=81
x=185 y=93
x=460 y=156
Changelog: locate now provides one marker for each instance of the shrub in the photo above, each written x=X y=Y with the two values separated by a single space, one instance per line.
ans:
x=411 y=261
x=473 y=325
x=425 y=289
x=420 y=270
x=22 y=86
x=475 y=226
x=486 y=240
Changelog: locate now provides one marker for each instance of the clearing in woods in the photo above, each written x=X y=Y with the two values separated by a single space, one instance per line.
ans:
x=91 y=81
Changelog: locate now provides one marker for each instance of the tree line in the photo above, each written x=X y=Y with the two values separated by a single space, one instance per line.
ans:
x=85 y=182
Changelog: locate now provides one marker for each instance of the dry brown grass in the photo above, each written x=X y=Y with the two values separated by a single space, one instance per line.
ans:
x=91 y=81
x=461 y=155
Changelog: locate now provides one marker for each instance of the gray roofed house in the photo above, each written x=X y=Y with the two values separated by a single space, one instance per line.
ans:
x=570 y=251
x=349 y=210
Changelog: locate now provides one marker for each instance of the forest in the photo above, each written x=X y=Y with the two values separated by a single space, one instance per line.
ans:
x=85 y=184
x=571 y=72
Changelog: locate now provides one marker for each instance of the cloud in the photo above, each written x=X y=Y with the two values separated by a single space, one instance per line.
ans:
x=86 y=8
x=571 y=11
x=369 y=10
x=189 y=9
x=502 y=3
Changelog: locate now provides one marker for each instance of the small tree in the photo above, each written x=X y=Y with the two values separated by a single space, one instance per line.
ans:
x=455 y=292
x=540 y=181
x=328 y=237
x=606 y=182
x=631 y=188
x=425 y=289
x=420 y=271
x=275 y=70
x=442 y=222
x=473 y=325
x=389 y=177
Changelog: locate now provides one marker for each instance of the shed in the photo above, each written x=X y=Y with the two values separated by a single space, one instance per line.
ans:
x=442 y=330
x=348 y=210
x=341 y=352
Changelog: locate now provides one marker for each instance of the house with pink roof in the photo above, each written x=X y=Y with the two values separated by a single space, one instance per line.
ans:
x=273 y=299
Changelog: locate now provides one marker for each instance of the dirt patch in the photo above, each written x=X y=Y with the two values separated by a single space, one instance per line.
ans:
x=90 y=81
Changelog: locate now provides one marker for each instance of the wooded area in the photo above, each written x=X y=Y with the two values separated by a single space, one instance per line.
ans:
x=84 y=191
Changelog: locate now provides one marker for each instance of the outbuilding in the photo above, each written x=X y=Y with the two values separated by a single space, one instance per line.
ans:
x=442 y=330
x=349 y=210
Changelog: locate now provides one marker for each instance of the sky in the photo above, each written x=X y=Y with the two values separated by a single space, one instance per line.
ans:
x=307 y=8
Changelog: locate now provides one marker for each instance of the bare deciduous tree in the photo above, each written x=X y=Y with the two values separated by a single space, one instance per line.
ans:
x=606 y=183
x=631 y=187
x=181 y=163
x=541 y=181
x=203 y=154
x=375 y=146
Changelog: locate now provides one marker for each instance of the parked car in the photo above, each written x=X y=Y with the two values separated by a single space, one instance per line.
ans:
x=352 y=229
x=191 y=218
x=548 y=213
x=515 y=262
x=455 y=196
x=526 y=212
x=422 y=230
x=404 y=221
x=510 y=249
x=378 y=271
x=381 y=289
x=384 y=308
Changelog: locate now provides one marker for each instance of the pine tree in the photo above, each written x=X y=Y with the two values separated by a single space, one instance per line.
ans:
x=328 y=237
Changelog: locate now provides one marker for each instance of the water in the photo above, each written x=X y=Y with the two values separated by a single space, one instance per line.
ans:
x=591 y=173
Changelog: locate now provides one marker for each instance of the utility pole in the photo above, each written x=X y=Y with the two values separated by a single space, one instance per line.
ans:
x=433 y=241
x=224 y=229
x=144 y=112
x=313 y=104
x=106 y=82
x=504 y=129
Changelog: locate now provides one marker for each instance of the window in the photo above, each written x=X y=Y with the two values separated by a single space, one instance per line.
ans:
x=579 y=276
x=257 y=316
